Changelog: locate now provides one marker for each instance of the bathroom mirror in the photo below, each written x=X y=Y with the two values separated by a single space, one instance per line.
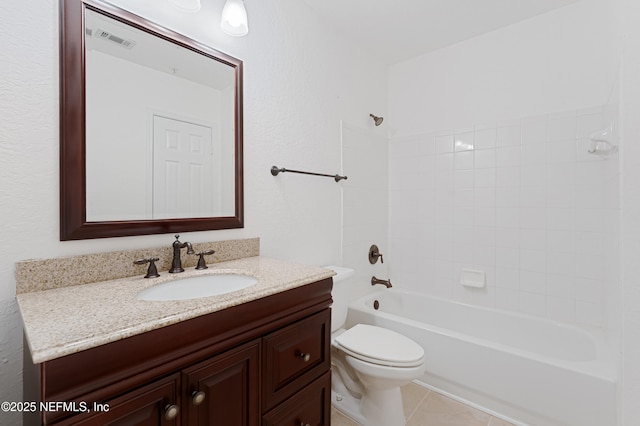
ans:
x=150 y=128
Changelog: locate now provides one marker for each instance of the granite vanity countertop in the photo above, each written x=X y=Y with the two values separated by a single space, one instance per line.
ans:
x=63 y=321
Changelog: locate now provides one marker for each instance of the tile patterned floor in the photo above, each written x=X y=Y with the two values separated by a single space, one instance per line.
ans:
x=424 y=407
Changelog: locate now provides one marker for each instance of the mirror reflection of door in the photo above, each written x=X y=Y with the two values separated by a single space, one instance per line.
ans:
x=127 y=86
x=185 y=169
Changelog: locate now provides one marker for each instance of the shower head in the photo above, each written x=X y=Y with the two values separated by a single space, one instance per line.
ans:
x=376 y=120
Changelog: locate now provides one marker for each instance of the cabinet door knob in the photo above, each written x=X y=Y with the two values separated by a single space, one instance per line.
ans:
x=197 y=397
x=171 y=411
x=305 y=356
x=304 y=424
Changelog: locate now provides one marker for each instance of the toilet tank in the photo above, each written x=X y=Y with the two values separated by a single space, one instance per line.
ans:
x=341 y=294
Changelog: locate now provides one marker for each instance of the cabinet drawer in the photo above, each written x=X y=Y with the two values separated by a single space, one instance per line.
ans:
x=295 y=355
x=309 y=406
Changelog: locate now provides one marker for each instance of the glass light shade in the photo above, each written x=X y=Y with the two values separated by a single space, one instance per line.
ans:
x=186 y=5
x=234 y=18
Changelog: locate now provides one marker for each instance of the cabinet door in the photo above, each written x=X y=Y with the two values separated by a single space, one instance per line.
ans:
x=294 y=356
x=310 y=406
x=156 y=404
x=224 y=390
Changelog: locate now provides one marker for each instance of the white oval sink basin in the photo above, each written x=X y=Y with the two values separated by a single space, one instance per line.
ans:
x=197 y=287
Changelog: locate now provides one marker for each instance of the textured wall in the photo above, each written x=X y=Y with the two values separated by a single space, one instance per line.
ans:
x=28 y=148
x=10 y=358
x=301 y=80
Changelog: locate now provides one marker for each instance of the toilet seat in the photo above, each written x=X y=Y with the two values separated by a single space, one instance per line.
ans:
x=380 y=346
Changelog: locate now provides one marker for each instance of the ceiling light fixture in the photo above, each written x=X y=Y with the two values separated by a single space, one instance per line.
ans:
x=186 y=5
x=234 y=18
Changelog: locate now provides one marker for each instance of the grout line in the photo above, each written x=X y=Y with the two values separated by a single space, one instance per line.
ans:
x=419 y=403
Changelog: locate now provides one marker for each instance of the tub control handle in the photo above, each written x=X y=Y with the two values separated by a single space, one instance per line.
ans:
x=305 y=356
x=374 y=254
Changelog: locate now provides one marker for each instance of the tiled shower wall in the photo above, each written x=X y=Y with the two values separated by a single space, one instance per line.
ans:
x=521 y=200
x=364 y=213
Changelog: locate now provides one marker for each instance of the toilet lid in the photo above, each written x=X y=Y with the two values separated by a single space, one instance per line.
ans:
x=380 y=346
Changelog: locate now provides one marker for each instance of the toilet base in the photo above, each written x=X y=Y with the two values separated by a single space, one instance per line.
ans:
x=383 y=407
x=348 y=405
x=377 y=407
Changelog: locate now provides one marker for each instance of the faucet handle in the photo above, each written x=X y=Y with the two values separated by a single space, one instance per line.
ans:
x=201 y=263
x=152 y=271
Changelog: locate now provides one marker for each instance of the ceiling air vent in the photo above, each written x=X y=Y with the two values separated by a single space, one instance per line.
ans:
x=105 y=35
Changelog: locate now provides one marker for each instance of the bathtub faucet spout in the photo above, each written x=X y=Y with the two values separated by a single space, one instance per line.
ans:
x=386 y=283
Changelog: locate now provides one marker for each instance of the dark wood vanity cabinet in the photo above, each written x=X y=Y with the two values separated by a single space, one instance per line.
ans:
x=265 y=362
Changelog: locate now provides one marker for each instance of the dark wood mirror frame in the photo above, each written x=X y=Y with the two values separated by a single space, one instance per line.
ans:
x=73 y=223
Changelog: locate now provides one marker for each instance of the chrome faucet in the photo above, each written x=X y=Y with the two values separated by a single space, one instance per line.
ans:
x=386 y=283
x=176 y=264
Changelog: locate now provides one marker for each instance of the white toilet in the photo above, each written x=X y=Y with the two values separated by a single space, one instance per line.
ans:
x=368 y=363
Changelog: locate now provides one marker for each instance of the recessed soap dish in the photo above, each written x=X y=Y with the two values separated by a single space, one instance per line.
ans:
x=473 y=278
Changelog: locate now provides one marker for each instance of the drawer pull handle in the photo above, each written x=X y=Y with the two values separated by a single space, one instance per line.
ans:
x=197 y=397
x=305 y=357
x=304 y=424
x=171 y=411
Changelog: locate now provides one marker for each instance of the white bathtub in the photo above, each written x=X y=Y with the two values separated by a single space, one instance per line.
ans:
x=527 y=370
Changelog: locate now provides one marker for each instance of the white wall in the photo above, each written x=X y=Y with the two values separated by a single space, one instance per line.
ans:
x=365 y=203
x=488 y=168
x=301 y=79
x=560 y=61
x=630 y=193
